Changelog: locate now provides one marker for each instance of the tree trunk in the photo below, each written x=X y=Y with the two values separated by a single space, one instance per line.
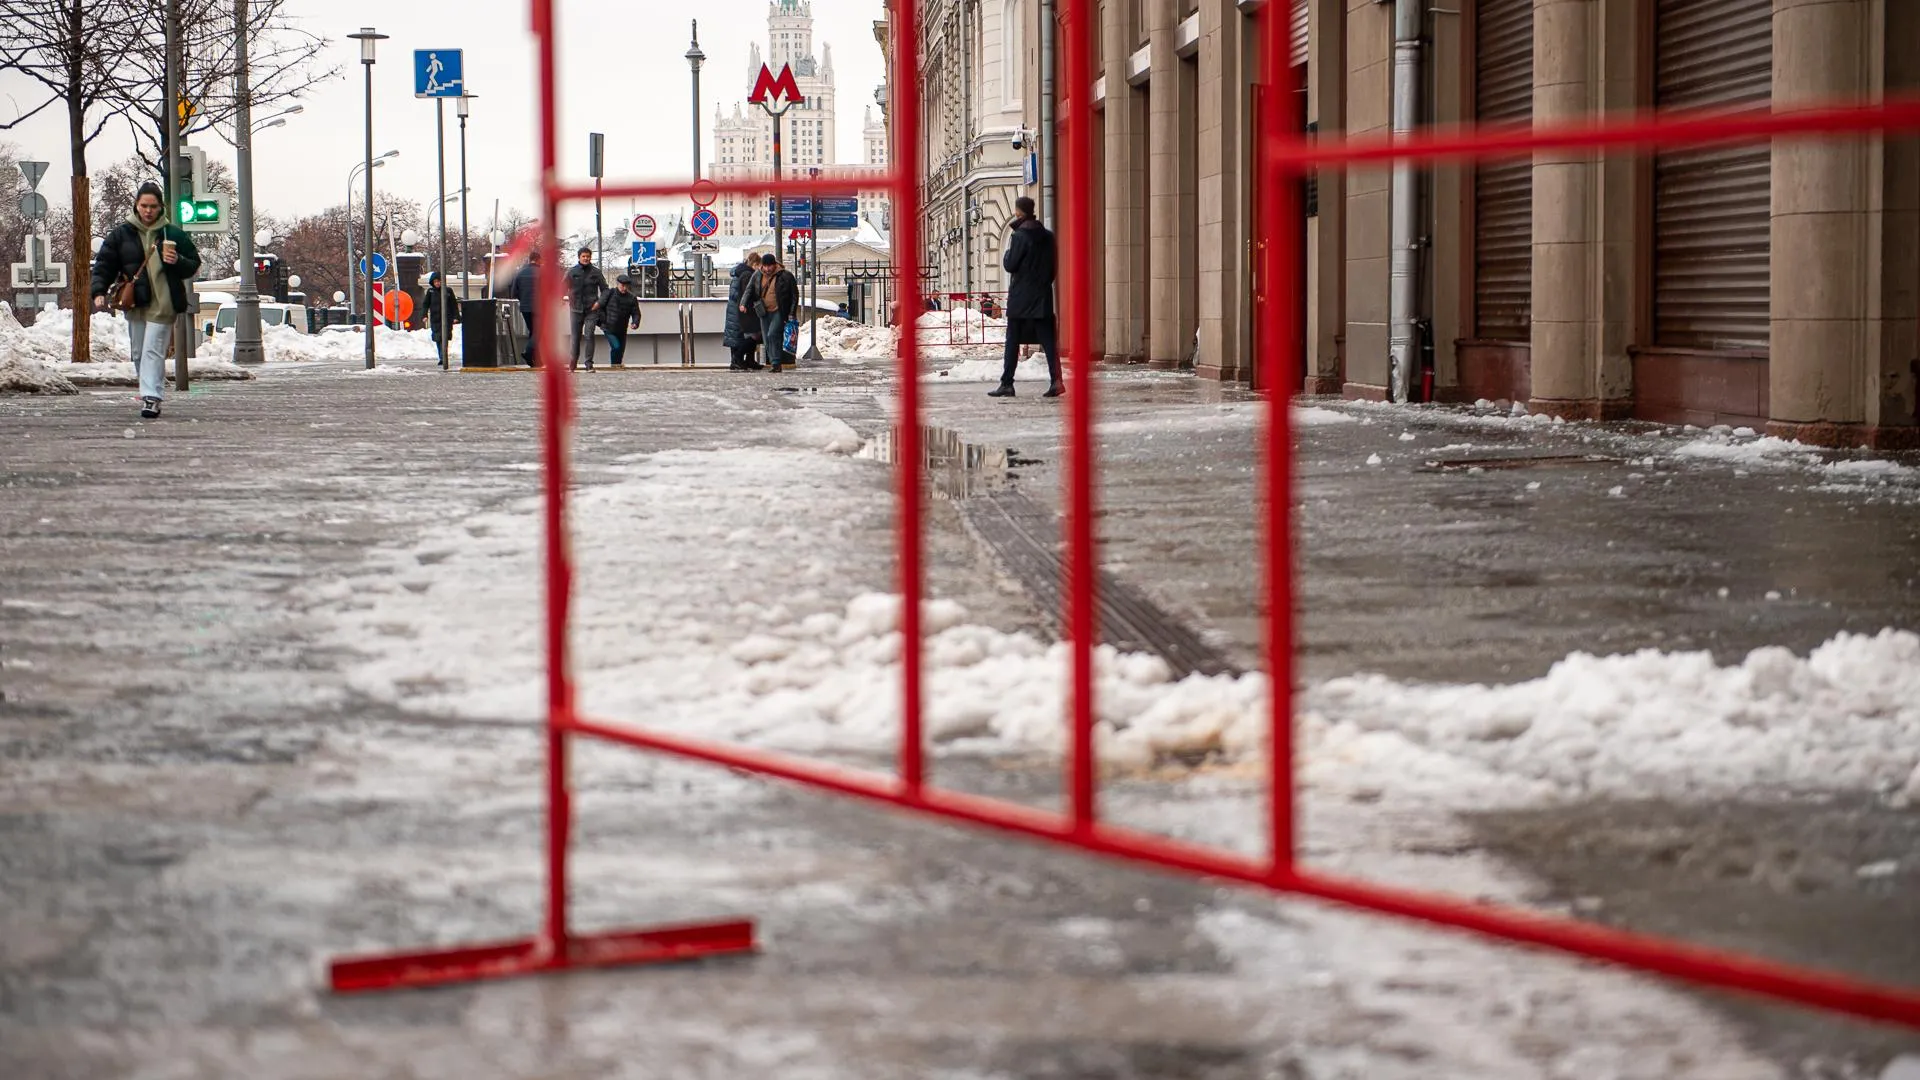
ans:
x=80 y=272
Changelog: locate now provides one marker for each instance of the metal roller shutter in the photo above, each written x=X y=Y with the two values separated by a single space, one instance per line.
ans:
x=1503 y=192
x=1711 y=217
x=1299 y=32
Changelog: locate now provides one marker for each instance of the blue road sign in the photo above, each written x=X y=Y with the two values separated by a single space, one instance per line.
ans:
x=802 y=220
x=837 y=204
x=645 y=253
x=704 y=223
x=379 y=266
x=438 y=73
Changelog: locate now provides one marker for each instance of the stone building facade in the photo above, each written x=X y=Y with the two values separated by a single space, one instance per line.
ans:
x=1773 y=286
x=972 y=104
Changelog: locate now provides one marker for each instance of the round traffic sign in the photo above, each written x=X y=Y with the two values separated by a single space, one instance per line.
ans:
x=704 y=192
x=643 y=226
x=33 y=205
x=379 y=265
x=704 y=223
x=398 y=305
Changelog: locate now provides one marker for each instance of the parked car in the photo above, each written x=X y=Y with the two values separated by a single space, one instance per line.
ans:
x=271 y=314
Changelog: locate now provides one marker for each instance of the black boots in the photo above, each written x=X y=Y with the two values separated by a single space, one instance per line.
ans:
x=1005 y=389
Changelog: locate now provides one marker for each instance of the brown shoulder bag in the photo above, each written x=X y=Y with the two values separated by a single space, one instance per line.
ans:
x=120 y=296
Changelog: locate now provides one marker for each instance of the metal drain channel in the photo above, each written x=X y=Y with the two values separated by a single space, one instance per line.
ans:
x=1025 y=535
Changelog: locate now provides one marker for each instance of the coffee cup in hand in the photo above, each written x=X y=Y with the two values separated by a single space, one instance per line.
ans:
x=169 y=251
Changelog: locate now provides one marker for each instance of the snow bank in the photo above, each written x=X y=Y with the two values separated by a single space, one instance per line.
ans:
x=34 y=359
x=960 y=334
x=1675 y=724
x=286 y=345
x=22 y=376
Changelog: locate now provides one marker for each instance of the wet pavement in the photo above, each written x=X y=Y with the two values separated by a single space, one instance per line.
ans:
x=197 y=810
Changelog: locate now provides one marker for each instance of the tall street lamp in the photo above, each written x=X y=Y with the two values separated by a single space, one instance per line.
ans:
x=368 y=39
x=247 y=346
x=694 y=59
x=462 y=107
x=379 y=162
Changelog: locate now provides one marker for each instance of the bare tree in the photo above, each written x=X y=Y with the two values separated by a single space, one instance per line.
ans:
x=103 y=61
x=281 y=60
x=67 y=47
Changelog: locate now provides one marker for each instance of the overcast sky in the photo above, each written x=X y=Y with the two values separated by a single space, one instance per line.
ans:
x=623 y=72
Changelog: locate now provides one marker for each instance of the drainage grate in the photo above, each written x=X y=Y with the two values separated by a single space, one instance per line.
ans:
x=1026 y=537
x=1526 y=461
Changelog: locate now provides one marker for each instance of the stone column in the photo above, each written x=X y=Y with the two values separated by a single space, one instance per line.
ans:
x=1565 y=235
x=1369 y=112
x=1842 y=294
x=1326 y=233
x=1124 y=307
x=1166 y=291
x=1222 y=255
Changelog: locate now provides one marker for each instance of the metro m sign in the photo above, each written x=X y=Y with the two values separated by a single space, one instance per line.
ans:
x=782 y=86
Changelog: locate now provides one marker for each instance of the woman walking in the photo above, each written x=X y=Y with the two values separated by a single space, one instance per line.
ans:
x=742 y=335
x=142 y=269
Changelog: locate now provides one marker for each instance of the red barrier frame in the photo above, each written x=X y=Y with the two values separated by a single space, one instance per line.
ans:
x=1287 y=154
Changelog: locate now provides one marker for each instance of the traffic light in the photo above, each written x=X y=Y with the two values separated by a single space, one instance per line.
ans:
x=197 y=210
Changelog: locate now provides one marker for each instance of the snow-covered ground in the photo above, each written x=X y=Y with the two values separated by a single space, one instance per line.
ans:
x=956 y=342
x=802 y=656
x=35 y=359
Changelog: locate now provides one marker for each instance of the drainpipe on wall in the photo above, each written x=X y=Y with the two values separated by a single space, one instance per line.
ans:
x=966 y=151
x=1047 y=141
x=1404 y=239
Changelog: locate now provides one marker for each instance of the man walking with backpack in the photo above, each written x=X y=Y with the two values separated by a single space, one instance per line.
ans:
x=1032 y=261
x=585 y=286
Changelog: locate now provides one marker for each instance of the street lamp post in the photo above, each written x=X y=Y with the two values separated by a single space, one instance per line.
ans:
x=247 y=346
x=378 y=163
x=368 y=39
x=462 y=107
x=694 y=59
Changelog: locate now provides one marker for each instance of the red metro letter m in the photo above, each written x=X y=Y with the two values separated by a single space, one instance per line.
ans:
x=782 y=87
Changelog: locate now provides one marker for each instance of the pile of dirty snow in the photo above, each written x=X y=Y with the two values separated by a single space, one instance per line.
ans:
x=36 y=356
x=852 y=342
x=284 y=344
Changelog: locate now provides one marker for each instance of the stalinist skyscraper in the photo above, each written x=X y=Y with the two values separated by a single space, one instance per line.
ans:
x=743 y=141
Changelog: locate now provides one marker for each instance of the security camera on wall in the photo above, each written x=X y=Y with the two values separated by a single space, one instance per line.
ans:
x=1019 y=140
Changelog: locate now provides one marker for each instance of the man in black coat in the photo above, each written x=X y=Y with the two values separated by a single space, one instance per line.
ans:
x=443 y=310
x=585 y=286
x=526 y=290
x=1032 y=260
x=620 y=313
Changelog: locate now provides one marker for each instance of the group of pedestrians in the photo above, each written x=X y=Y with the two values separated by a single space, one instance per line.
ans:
x=762 y=302
x=592 y=309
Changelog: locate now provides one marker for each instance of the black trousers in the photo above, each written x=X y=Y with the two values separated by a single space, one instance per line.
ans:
x=1039 y=332
x=526 y=351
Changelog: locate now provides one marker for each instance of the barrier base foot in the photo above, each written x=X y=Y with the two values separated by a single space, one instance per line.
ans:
x=533 y=956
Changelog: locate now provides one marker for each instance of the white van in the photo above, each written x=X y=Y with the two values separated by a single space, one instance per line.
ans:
x=271 y=314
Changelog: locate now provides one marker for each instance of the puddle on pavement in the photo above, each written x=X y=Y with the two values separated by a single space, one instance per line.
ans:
x=952 y=467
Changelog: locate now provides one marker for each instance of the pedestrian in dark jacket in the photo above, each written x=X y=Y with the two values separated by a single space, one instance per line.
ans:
x=526 y=290
x=160 y=259
x=619 y=313
x=743 y=324
x=1032 y=261
x=585 y=286
x=443 y=310
x=775 y=295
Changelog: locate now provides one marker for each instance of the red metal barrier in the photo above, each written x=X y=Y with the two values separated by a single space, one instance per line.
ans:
x=1279 y=239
